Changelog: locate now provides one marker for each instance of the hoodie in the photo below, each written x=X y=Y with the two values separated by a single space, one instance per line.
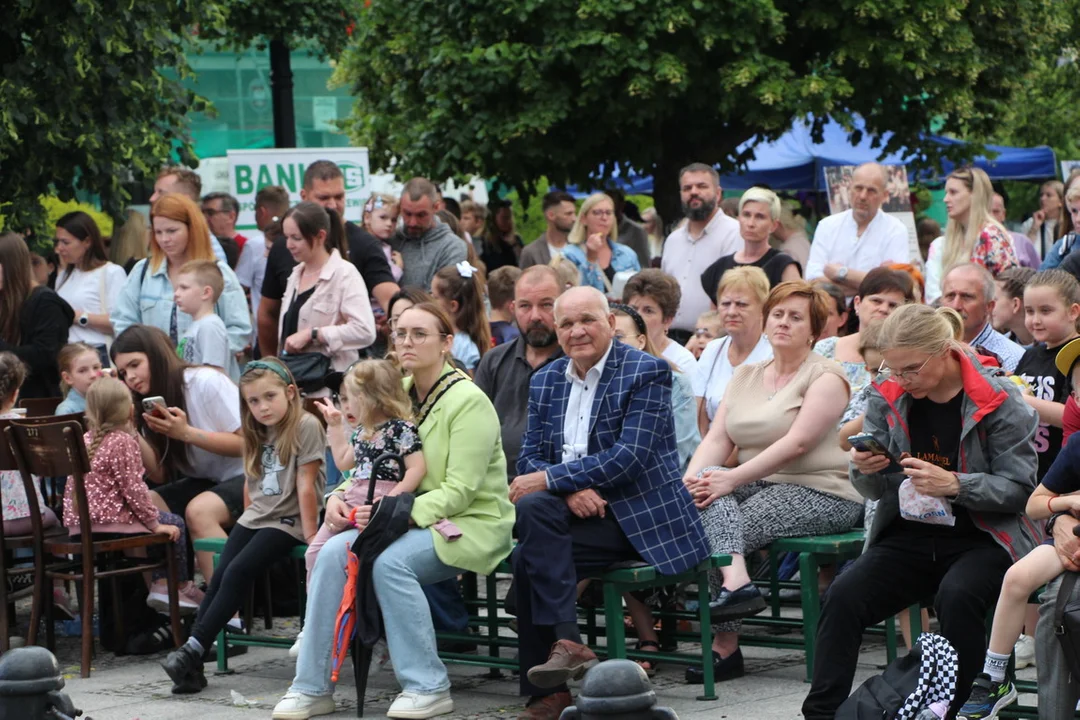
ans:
x=423 y=257
x=997 y=458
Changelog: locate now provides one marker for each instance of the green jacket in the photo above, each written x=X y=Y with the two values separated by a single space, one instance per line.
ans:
x=468 y=484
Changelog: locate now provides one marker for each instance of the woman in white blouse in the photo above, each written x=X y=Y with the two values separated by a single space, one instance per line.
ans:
x=741 y=294
x=89 y=282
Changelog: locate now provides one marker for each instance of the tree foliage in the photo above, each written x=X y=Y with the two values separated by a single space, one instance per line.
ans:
x=83 y=100
x=325 y=26
x=527 y=88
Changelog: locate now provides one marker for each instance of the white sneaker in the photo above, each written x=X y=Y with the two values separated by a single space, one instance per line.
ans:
x=294 y=651
x=297 y=706
x=188 y=596
x=417 y=707
x=1025 y=652
x=380 y=658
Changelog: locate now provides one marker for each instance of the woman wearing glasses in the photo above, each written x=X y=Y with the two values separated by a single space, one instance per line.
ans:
x=467 y=486
x=594 y=248
x=963 y=436
x=791 y=478
x=325 y=308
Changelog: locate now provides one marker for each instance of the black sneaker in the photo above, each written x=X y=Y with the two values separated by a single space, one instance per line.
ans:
x=185 y=667
x=987 y=698
x=727 y=668
x=736 y=604
x=150 y=642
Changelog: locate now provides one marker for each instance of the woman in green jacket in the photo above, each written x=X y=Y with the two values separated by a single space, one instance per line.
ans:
x=467 y=486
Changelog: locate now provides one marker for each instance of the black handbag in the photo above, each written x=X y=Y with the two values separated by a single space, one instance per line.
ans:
x=1067 y=622
x=308 y=369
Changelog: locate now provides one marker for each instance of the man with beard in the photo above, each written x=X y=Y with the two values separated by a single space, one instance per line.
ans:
x=505 y=371
x=560 y=213
x=849 y=244
x=426 y=244
x=707 y=236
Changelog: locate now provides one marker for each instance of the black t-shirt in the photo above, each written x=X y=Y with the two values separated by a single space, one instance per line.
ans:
x=935 y=437
x=292 y=318
x=773 y=262
x=231 y=249
x=1047 y=383
x=365 y=252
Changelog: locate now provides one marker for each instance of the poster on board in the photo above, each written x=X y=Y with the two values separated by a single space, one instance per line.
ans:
x=897 y=201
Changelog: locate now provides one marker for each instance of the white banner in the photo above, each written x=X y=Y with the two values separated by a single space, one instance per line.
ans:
x=251 y=170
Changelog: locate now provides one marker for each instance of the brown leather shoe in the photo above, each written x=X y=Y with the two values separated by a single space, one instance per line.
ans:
x=549 y=707
x=567 y=661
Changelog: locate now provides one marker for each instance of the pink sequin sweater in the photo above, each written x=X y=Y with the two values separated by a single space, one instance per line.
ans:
x=118 y=497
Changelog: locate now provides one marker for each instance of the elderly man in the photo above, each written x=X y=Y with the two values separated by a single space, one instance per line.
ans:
x=599 y=484
x=707 y=236
x=426 y=245
x=505 y=371
x=847 y=245
x=969 y=289
x=221 y=210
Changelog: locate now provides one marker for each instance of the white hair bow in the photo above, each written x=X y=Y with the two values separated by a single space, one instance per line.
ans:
x=466 y=270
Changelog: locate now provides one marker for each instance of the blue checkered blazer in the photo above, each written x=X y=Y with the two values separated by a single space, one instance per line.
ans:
x=632 y=460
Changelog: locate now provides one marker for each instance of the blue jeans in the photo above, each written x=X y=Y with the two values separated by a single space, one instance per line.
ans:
x=398 y=575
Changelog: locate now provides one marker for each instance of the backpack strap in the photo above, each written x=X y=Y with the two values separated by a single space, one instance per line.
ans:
x=1068 y=582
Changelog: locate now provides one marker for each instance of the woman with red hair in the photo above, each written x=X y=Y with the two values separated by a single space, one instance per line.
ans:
x=179 y=235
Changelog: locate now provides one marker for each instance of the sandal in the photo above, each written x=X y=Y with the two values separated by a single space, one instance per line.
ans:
x=649 y=666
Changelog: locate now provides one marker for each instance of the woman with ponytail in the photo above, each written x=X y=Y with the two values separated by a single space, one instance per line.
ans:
x=951 y=494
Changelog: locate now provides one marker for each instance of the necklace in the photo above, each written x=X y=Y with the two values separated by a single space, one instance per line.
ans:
x=778 y=386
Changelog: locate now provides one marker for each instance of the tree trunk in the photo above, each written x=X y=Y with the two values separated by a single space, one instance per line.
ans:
x=666 y=187
x=281 y=95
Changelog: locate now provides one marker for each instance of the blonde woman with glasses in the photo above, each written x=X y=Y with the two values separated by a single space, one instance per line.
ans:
x=594 y=248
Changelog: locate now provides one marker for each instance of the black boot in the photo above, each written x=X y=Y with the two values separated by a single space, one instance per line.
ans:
x=727 y=668
x=185 y=667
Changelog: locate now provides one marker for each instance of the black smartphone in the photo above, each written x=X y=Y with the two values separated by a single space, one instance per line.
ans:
x=868 y=443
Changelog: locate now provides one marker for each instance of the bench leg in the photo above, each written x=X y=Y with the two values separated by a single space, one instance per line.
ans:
x=491 y=603
x=811 y=607
x=705 y=621
x=890 y=639
x=613 y=618
x=774 y=583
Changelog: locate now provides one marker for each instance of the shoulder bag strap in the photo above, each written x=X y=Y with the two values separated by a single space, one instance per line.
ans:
x=1068 y=582
x=443 y=384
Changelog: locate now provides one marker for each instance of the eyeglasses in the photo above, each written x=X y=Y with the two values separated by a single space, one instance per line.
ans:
x=418 y=337
x=903 y=375
x=602 y=213
x=211 y=212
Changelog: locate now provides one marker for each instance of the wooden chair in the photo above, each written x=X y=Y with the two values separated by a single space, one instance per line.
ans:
x=15 y=542
x=40 y=407
x=57 y=449
x=51 y=488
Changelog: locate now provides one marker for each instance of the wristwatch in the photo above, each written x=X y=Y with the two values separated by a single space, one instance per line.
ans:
x=84 y=320
x=314 y=334
x=1050 y=523
x=841 y=274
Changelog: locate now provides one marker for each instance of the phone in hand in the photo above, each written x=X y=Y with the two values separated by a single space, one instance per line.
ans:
x=866 y=442
x=154 y=405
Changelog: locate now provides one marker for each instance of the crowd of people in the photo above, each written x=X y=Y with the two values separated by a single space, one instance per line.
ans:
x=601 y=394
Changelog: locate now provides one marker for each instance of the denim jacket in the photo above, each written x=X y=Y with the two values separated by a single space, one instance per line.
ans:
x=147 y=299
x=622 y=259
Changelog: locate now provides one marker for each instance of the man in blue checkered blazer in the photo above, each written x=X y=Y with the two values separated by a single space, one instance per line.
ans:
x=598 y=484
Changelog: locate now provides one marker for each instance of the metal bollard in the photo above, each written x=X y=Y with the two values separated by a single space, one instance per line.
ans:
x=617 y=689
x=30 y=684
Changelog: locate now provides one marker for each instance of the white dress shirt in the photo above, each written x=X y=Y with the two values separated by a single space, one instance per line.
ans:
x=836 y=240
x=577 y=420
x=686 y=257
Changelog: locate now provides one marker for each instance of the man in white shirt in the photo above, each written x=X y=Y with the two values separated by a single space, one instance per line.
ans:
x=707 y=236
x=560 y=212
x=847 y=245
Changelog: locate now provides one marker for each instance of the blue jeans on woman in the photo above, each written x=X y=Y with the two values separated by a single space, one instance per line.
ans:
x=399 y=574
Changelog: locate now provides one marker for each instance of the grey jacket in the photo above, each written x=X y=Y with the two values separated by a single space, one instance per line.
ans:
x=423 y=257
x=998 y=462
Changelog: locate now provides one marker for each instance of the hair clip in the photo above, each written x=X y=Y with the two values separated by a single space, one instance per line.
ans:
x=466 y=270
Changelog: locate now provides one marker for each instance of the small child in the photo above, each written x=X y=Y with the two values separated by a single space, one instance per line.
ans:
x=568 y=271
x=380 y=219
x=851 y=423
x=199 y=284
x=1008 y=314
x=709 y=326
x=459 y=290
x=500 y=290
x=376 y=398
x=80 y=366
x=119 y=500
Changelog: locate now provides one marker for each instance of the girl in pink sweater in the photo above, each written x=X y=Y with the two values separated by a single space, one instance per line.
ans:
x=117 y=496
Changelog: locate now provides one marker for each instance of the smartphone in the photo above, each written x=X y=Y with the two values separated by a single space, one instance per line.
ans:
x=151 y=404
x=868 y=443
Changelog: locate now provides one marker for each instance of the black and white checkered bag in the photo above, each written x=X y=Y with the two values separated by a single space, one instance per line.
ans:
x=938 y=670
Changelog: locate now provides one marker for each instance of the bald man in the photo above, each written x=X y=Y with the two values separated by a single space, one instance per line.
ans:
x=849 y=244
x=599 y=483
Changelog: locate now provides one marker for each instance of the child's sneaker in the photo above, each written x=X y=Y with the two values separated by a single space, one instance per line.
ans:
x=189 y=597
x=987 y=698
x=62 y=607
x=1025 y=652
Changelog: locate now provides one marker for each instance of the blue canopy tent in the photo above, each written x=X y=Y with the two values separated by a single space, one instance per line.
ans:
x=796 y=162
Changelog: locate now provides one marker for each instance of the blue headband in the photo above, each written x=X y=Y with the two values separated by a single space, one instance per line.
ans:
x=272 y=367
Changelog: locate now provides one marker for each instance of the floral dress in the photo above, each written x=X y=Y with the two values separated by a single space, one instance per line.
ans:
x=16 y=506
x=397 y=437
